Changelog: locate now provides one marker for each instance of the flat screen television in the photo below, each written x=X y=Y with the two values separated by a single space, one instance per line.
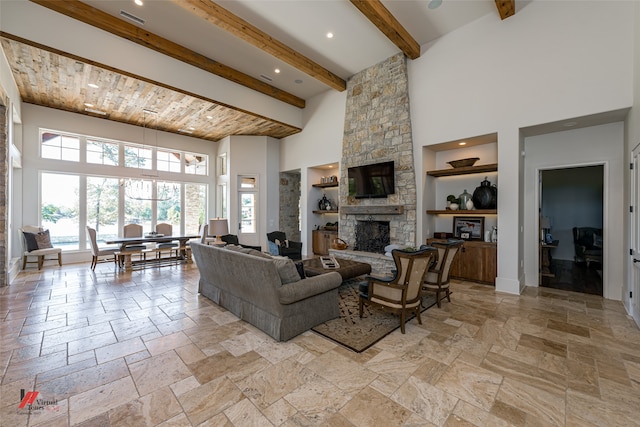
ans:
x=372 y=181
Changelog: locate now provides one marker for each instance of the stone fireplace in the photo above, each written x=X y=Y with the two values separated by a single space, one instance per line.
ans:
x=378 y=129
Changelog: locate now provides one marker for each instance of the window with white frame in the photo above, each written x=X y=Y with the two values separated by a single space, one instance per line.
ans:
x=70 y=201
x=102 y=153
x=59 y=146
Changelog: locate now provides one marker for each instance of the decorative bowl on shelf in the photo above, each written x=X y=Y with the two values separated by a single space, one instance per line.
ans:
x=464 y=162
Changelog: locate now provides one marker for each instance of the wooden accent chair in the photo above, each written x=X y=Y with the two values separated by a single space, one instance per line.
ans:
x=437 y=278
x=40 y=254
x=402 y=292
x=98 y=252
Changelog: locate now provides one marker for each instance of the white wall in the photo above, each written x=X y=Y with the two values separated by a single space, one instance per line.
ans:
x=594 y=145
x=539 y=66
x=320 y=143
x=255 y=156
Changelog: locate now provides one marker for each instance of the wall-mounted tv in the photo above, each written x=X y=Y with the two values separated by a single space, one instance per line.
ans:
x=372 y=181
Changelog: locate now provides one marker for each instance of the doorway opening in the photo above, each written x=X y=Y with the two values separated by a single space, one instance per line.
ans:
x=571 y=222
x=290 y=212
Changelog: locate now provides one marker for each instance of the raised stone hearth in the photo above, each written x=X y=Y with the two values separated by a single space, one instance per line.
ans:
x=381 y=265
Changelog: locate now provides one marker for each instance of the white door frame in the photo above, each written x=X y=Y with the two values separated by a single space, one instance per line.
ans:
x=634 y=236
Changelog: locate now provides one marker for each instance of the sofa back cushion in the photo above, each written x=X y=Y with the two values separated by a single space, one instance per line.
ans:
x=286 y=270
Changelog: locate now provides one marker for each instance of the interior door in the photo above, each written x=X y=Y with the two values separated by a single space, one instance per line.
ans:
x=248 y=209
x=635 y=234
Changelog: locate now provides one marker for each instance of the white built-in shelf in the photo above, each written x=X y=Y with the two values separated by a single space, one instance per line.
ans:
x=326 y=185
x=461 y=212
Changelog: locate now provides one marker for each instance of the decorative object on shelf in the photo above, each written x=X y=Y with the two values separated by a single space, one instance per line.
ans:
x=324 y=203
x=487 y=236
x=468 y=227
x=451 y=199
x=329 y=179
x=453 y=206
x=485 y=196
x=464 y=162
x=494 y=234
x=339 y=244
x=463 y=199
x=470 y=204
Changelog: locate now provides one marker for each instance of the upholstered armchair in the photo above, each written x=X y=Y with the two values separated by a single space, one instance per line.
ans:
x=37 y=243
x=279 y=245
x=588 y=244
x=402 y=292
x=437 y=278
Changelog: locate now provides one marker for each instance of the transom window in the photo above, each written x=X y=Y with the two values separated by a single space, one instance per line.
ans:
x=60 y=147
x=168 y=161
x=137 y=157
x=102 y=153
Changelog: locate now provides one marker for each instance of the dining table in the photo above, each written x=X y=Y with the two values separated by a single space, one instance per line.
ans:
x=183 y=252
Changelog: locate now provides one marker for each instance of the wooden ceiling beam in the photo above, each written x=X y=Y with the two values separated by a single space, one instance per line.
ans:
x=506 y=8
x=99 y=19
x=380 y=16
x=219 y=16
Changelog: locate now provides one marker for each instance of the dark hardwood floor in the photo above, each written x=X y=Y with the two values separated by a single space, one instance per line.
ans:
x=575 y=276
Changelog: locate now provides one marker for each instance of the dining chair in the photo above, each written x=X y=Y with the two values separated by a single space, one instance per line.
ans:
x=166 y=230
x=98 y=252
x=133 y=230
x=402 y=292
x=30 y=246
x=437 y=278
x=205 y=239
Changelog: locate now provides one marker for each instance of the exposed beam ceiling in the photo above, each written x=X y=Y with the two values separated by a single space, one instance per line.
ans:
x=506 y=8
x=380 y=16
x=219 y=16
x=95 y=17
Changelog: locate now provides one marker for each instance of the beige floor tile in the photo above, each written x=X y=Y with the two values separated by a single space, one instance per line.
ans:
x=96 y=401
x=149 y=410
x=317 y=399
x=548 y=407
x=158 y=371
x=470 y=383
x=210 y=400
x=244 y=413
x=368 y=407
x=426 y=400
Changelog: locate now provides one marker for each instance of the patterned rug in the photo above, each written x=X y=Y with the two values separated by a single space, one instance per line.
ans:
x=355 y=333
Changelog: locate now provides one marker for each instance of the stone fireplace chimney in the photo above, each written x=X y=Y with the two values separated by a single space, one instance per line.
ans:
x=377 y=129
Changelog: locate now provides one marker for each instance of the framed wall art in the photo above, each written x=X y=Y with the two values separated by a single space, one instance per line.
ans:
x=468 y=227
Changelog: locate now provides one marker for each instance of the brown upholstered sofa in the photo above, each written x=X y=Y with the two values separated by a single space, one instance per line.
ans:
x=265 y=291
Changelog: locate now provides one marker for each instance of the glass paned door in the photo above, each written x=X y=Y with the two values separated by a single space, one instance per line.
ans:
x=248 y=227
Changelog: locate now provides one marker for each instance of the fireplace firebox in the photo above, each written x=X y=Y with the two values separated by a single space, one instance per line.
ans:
x=372 y=236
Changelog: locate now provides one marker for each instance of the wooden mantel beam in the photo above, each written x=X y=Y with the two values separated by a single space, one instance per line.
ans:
x=99 y=19
x=380 y=16
x=219 y=16
x=506 y=8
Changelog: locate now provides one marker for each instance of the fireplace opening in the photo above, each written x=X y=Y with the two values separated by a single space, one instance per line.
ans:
x=372 y=236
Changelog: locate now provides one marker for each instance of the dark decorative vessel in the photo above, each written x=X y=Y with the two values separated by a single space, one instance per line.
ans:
x=485 y=196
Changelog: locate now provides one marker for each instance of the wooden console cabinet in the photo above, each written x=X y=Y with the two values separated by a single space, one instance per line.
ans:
x=321 y=241
x=477 y=262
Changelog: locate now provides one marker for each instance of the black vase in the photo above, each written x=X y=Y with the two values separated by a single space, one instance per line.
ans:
x=485 y=196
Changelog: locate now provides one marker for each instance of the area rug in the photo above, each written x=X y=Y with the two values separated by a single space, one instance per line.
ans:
x=358 y=334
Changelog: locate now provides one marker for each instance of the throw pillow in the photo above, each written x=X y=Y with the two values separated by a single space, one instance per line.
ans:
x=30 y=239
x=43 y=239
x=286 y=270
x=273 y=248
x=300 y=268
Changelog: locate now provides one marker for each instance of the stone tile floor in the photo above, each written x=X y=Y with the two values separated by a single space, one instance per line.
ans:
x=144 y=349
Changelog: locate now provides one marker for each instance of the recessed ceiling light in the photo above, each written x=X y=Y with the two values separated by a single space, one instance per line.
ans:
x=434 y=4
x=462 y=143
x=138 y=2
x=209 y=117
x=93 y=85
x=329 y=35
x=86 y=104
x=185 y=131
x=277 y=71
x=192 y=128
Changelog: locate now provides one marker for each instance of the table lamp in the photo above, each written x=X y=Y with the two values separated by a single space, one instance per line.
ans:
x=545 y=225
x=218 y=227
